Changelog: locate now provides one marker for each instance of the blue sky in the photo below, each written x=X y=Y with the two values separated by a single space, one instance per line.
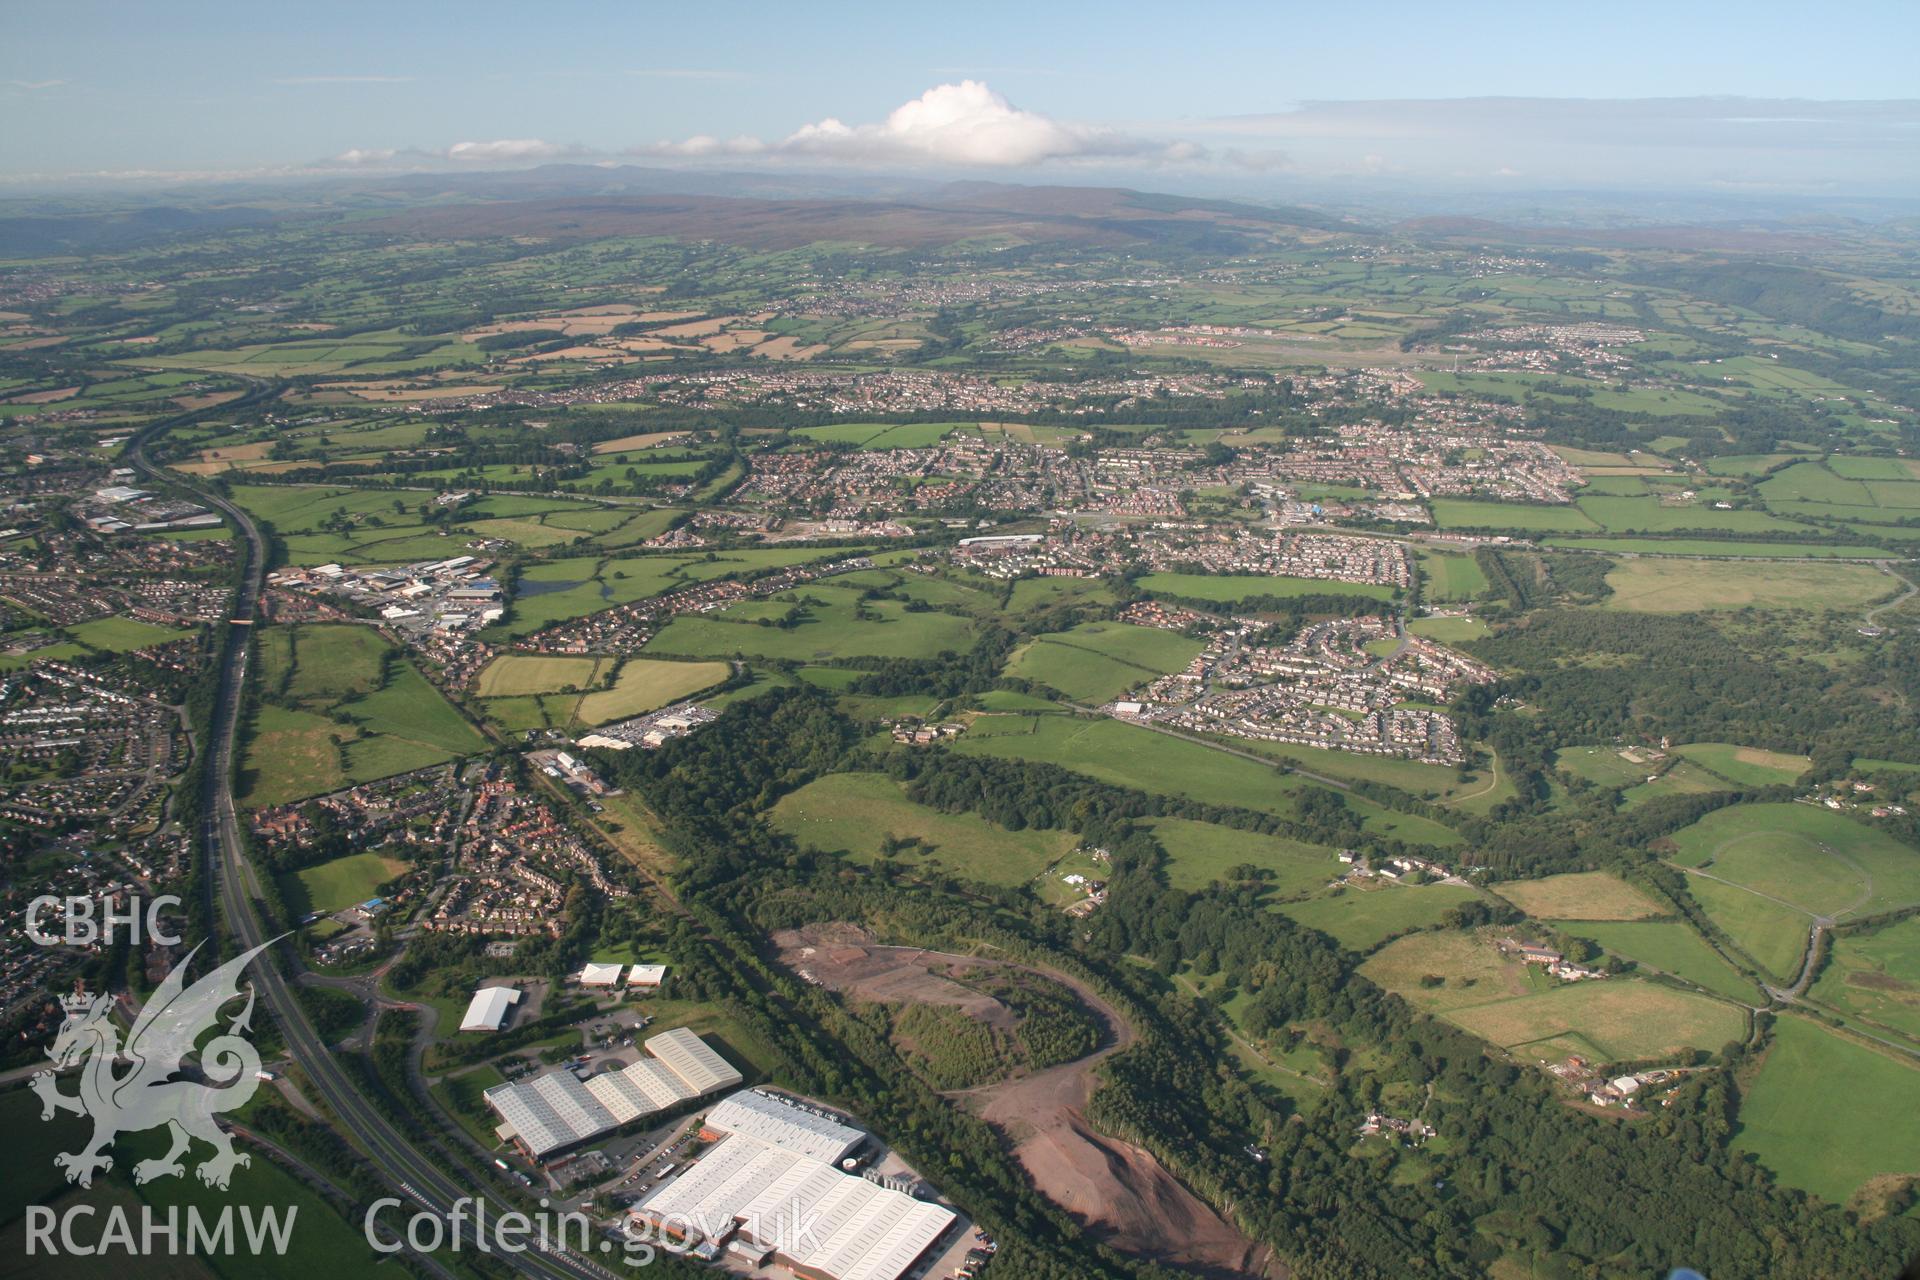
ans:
x=215 y=88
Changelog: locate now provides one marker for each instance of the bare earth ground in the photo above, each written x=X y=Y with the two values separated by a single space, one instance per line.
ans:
x=645 y=440
x=1119 y=1190
x=789 y=348
x=45 y=397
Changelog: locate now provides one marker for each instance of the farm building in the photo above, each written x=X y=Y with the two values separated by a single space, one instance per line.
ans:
x=749 y=1192
x=558 y=1110
x=490 y=1008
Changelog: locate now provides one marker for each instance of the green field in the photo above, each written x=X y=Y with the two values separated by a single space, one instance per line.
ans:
x=1829 y=1150
x=1221 y=588
x=101 y=635
x=831 y=629
x=1579 y=895
x=1198 y=853
x=1098 y=661
x=1679 y=778
x=1810 y=857
x=1361 y=918
x=1518 y=386
x=1874 y=765
x=1008 y=700
x=459 y=1095
x=518 y=674
x=340 y=711
x=1451 y=577
x=1813 y=482
x=1450 y=630
x=880 y=435
x=939 y=592
x=853 y=813
x=341 y=883
x=1670 y=946
x=119 y=635
x=365 y=354
x=1648 y=514
x=1604 y=766
x=1775 y=936
x=535 y=711
x=1478 y=791
x=524 y=691
x=1467 y=513
x=1747 y=464
x=644 y=685
x=759 y=680
x=321 y=524
x=554 y=590
x=1682 y=586
x=1785 y=870
x=1130 y=756
x=1708 y=547
x=1749 y=766
x=1854 y=468
x=1874 y=973
x=1615 y=485
x=1470 y=964
x=1520 y=1008
x=1033 y=593
x=1625 y=1019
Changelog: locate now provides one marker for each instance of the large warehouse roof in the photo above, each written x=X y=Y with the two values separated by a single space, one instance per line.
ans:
x=556 y=1110
x=488 y=1009
x=780 y=1123
x=853 y=1229
x=693 y=1060
x=601 y=975
x=641 y=1089
x=550 y=1111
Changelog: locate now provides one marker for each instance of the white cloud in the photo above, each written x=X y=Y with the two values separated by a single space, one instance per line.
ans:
x=508 y=150
x=505 y=152
x=33 y=86
x=343 y=80
x=700 y=145
x=964 y=124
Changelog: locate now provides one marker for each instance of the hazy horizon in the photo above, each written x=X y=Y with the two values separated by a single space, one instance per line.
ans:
x=1723 y=102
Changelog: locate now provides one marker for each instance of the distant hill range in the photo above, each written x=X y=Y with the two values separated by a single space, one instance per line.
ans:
x=785 y=210
x=985 y=212
x=770 y=211
x=1706 y=237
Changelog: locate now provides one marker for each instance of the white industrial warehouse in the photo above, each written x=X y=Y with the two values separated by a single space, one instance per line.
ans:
x=489 y=1008
x=601 y=975
x=783 y=1123
x=552 y=1112
x=771 y=1189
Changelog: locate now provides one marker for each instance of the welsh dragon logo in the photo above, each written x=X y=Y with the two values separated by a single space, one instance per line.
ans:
x=147 y=1095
